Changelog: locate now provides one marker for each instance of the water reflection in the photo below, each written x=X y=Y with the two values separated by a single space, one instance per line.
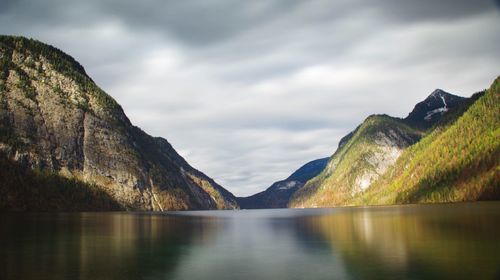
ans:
x=408 y=242
x=96 y=246
x=413 y=242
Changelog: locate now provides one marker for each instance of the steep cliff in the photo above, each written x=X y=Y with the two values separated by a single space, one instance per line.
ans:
x=55 y=119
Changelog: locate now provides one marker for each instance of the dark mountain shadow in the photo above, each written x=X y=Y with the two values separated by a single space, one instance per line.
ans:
x=24 y=189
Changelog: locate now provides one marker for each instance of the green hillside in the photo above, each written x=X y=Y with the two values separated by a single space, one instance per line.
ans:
x=361 y=157
x=457 y=162
x=384 y=161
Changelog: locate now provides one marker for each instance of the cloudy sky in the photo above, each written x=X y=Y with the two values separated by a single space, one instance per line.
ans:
x=248 y=91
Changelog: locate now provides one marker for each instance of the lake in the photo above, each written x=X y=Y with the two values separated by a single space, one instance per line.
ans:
x=446 y=241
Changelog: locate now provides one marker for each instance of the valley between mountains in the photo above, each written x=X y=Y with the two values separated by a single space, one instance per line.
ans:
x=66 y=145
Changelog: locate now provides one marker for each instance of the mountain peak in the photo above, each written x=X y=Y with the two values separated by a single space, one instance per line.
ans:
x=428 y=112
x=439 y=92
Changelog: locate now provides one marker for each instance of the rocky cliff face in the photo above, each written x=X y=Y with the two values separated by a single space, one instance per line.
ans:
x=53 y=117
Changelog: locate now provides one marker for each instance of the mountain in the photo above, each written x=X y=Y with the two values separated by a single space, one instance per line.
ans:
x=308 y=170
x=63 y=139
x=362 y=157
x=446 y=149
x=457 y=161
x=428 y=112
x=278 y=194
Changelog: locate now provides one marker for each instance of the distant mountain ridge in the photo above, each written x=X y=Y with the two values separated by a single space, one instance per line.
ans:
x=59 y=130
x=279 y=193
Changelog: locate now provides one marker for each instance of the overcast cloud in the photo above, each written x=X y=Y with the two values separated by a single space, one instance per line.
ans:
x=248 y=91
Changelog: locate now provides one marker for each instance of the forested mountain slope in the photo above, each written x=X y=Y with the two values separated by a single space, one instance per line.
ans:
x=446 y=150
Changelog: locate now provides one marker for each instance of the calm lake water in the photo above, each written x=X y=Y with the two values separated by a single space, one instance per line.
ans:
x=453 y=241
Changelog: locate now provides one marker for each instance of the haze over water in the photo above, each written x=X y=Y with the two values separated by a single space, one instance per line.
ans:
x=452 y=241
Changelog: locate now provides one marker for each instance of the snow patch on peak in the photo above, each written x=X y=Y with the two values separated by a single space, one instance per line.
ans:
x=441 y=110
x=429 y=114
x=444 y=101
x=438 y=92
x=287 y=185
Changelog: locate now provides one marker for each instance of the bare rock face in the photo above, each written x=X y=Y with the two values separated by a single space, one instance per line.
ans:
x=388 y=146
x=53 y=117
x=362 y=157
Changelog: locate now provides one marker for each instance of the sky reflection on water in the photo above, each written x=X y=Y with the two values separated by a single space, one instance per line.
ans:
x=459 y=241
